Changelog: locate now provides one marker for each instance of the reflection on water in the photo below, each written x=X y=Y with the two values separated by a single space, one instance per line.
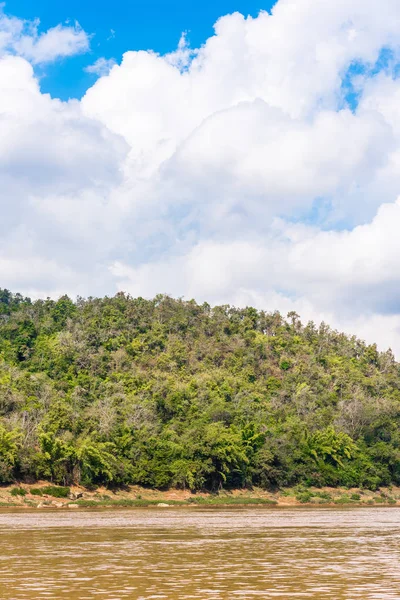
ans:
x=241 y=553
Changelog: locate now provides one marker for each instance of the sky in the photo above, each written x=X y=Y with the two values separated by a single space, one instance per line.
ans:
x=123 y=25
x=234 y=153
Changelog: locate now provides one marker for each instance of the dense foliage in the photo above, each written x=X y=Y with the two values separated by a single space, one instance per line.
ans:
x=170 y=393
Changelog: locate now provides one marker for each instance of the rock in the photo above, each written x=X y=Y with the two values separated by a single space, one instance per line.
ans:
x=73 y=505
x=75 y=496
x=162 y=505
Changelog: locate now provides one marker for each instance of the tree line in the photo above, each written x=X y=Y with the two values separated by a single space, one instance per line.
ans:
x=171 y=393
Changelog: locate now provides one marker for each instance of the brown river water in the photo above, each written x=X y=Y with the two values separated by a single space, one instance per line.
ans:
x=197 y=553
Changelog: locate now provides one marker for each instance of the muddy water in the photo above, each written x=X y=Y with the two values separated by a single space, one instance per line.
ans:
x=201 y=554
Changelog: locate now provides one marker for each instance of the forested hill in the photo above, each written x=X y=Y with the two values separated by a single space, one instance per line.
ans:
x=170 y=393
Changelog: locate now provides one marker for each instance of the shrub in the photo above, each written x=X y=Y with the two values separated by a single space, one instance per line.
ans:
x=285 y=364
x=324 y=496
x=56 y=491
x=304 y=497
x=343 y=500
x=18 y=492
x=379 y=500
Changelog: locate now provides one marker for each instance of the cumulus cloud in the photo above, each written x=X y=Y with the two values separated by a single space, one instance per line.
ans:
x=57 y=169
x=22 y=38
x=261 y=168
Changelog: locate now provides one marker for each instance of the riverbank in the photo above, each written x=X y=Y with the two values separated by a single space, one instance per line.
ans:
x=46 y=495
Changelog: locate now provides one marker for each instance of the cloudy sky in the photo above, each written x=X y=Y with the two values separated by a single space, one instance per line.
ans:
x=249 y=158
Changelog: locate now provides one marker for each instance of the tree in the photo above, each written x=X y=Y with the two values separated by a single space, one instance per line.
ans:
x=10 y=442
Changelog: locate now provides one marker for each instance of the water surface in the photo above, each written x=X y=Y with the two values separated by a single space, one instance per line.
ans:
x=201 y=554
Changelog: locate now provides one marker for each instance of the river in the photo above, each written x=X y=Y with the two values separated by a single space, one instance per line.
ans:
x=197 y=553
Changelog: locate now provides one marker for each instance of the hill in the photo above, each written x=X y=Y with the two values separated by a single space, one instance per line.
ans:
x=169 y=393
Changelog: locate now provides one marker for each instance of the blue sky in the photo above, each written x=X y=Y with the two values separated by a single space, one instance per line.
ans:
x=150 y=24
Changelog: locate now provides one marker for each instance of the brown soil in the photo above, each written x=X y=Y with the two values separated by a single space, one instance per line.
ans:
x=283 y=498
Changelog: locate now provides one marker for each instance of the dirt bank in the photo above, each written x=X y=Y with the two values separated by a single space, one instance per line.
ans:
x=45 y=495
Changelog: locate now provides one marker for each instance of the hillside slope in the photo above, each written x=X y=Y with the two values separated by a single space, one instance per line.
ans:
x=166 y=393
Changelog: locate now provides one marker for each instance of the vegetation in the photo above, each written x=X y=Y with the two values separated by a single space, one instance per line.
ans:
x=51 y=490
x=18 y=491
x=166 y=393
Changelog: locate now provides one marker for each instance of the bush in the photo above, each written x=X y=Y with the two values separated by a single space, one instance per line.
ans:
x=18 y=492
x=55 y=491
x=304 y=497
x=343 y=500
x=323 y=496
x=285 y=364
x=36 y=491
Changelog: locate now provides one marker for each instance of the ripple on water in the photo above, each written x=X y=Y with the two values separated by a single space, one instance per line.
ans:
x=341 y=554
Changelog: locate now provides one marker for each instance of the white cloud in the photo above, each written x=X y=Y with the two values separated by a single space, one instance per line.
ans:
x=102 y=66
x=23 y=38
x=234 y=172
x=182 y=56
x=57 y=170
